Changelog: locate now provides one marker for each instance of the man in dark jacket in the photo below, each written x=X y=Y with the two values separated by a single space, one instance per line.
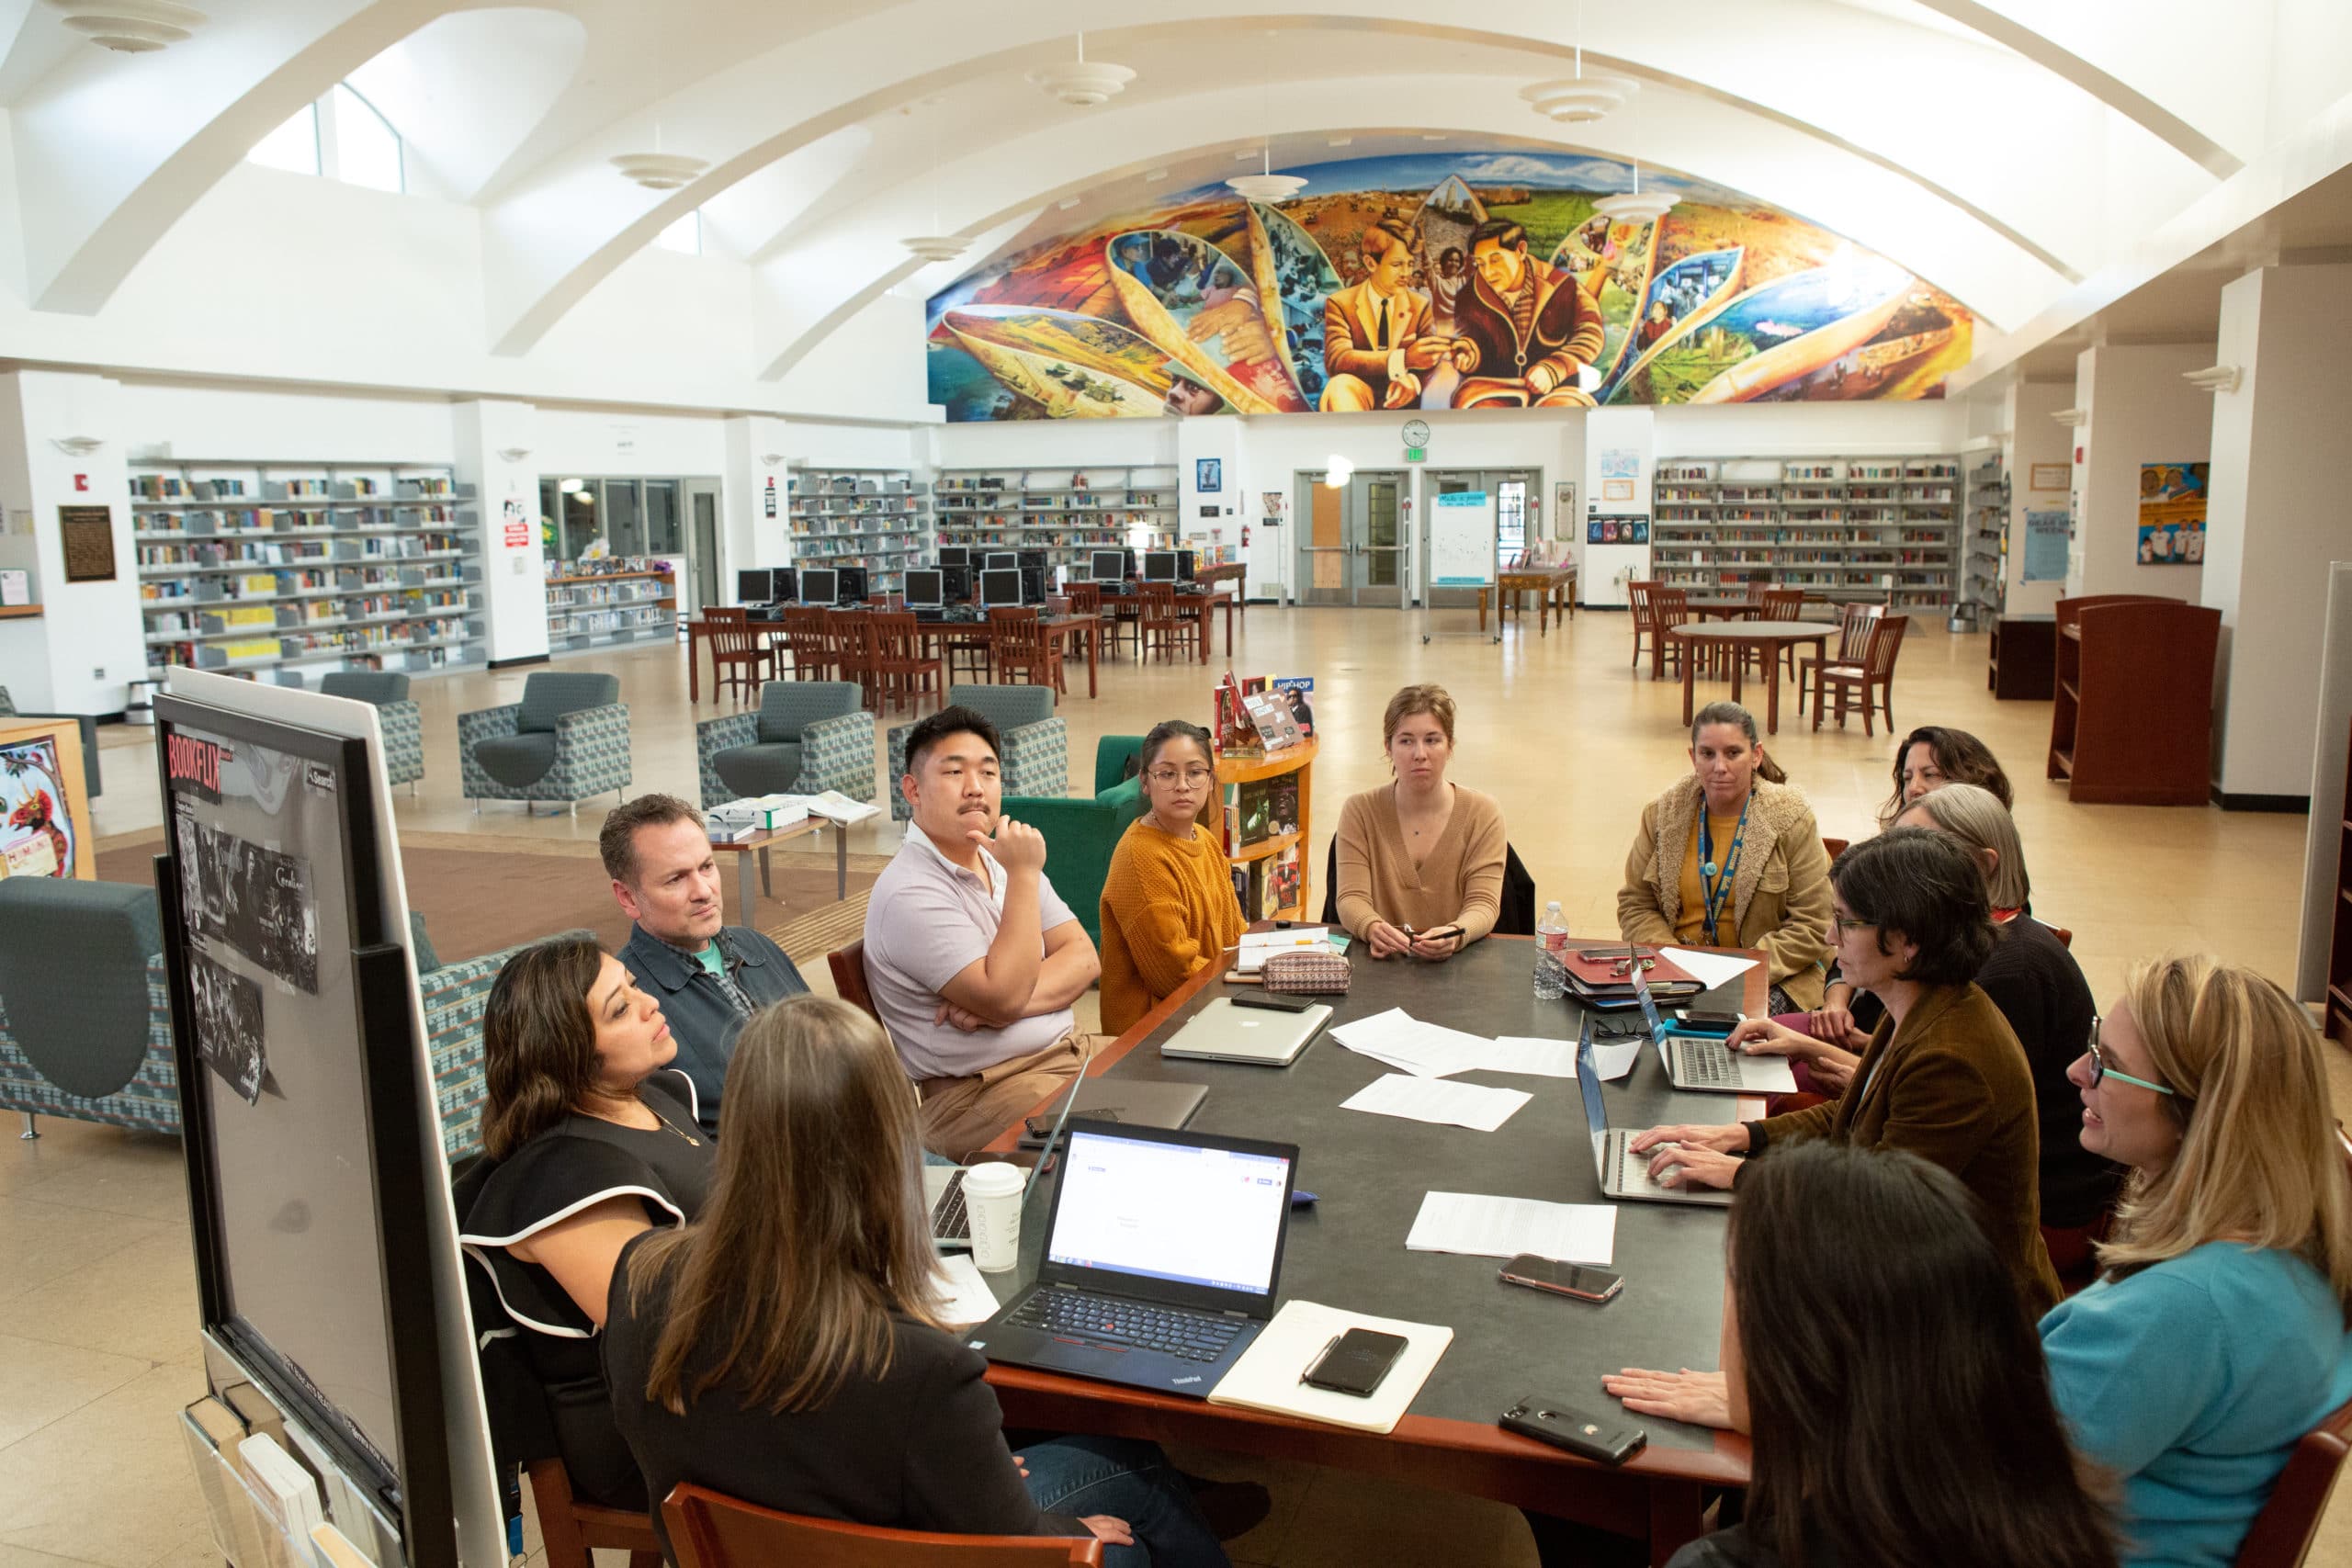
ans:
x=1522 y=331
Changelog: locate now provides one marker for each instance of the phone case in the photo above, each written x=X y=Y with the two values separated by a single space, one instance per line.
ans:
x=1564 y=1425
x=1364 y=1390
x=1274 y=1001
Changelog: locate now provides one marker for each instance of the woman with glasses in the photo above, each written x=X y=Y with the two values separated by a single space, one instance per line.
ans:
x=1419 y=860
x=2215 y=1337
x=1943 y=1076
x=1167 y=905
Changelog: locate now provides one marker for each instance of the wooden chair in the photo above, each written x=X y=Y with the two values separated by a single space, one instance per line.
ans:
x=709 y=1529
x=1758 y=594
x=1775 y=604
x=2065 y=938
x=811 y=649
x=849 y=647
x=906 y=672
x=1637 y=595
x=1876 y=671
x=848 y=965
x=1854 y=625
x=570 y=1529
x=738 y=655
x=2282 y=1533
x=1669 y=608
x=1022 y=649
x=1167 y=627
x=1833 y=848
x=1121 y=613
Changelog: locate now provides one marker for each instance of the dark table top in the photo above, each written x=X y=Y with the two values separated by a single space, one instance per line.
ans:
x=1370 y=1172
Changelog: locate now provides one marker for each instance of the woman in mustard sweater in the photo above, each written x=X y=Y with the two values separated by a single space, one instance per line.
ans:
x=1168 y=904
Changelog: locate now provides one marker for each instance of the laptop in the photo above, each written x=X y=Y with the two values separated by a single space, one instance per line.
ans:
x=1622 y=1173
x=1129 y=1102
x=943 y=1184
x=1260 y=1036
x=1161 y=1259
x=1703 y=1064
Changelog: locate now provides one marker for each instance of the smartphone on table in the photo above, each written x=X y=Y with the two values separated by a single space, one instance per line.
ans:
x=1611 y=1439
x=1581 y=1280
x=1701 y=1021
x=1354 y=1362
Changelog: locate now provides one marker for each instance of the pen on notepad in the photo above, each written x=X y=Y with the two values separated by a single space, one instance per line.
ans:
x=1318 y=1357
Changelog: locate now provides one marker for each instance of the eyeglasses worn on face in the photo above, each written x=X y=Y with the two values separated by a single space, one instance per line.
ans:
x=1194 y=777
x=2101 y=1070
x=1851 y=923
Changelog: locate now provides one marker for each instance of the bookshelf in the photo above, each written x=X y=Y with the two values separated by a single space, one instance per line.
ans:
x=1234 y=775
x=877 y=518
x=286 y=570
x=599 y=603
x=1880 y=529
x=2131 y=718
x=1063 y=512
x=1983 y=542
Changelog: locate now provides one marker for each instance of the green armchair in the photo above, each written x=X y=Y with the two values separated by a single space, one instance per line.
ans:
x=1082 y=832
x=805 y=737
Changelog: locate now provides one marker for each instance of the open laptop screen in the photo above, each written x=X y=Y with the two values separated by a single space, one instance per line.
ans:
x=1650 y=1014
x=1596 y=1113
x=1182 y=1211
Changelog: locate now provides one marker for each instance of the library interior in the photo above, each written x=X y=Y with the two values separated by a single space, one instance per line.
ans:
x=575 y=577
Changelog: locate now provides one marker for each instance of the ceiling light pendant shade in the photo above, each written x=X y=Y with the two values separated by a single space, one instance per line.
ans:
x=130 y=27
x=1268 y=186
x=1579 y=100
x=659 y=171
x=1636 y=206
x=937 y=247
x=1083 y=83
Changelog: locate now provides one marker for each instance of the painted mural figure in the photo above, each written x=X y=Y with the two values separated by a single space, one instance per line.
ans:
x=1376 y=337
x=1522 y=329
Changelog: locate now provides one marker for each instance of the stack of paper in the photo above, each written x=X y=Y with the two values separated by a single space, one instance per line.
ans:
x=968 y=1297
x=1258 y=946
x=1505 y=1227
x=1266 y=1377
x=1403 y=1042
x=1436 y=1099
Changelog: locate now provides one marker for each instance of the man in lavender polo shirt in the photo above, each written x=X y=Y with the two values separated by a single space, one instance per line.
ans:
x=972 y=959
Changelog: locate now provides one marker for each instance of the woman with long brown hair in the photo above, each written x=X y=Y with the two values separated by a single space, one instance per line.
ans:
x=785 y=1348
x=593 y=1139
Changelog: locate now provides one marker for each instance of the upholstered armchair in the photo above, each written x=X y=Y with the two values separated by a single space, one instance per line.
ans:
x=1036 y=744
x=807 y=737
x=567 y=740
x=387 y=691
x=89 y=738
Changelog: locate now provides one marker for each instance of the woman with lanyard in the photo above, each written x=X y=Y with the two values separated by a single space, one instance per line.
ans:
x=1730 y=857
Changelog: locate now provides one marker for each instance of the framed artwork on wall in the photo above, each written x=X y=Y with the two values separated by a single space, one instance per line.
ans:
x=87 y=535
x=1208 y=475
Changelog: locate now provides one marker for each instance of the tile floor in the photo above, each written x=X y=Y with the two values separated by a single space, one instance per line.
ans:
x=98 y=1301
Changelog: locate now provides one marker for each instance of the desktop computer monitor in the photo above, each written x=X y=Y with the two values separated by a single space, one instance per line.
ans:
x=1186 y=560
x=784 y=584
x=1159 y=565
x=755 y=587
x=923 y=585
x=999 y=561
x=1000 y=586
x=954 y=555
x=853 y=585
x=1026 y=558
x=817 y=585
x=1108 y=566
x=956 y=583
x=1032 y=585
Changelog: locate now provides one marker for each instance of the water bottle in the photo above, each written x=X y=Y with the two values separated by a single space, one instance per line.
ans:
x=1552 y=943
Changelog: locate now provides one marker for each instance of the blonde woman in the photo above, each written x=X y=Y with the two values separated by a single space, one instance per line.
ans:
x=2215 y=1337
x=1420 y=860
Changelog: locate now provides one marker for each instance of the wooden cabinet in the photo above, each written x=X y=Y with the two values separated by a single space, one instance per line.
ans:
x=2023 y=664
x=1296 y=760
x=2131 y=718
x=2339 y=950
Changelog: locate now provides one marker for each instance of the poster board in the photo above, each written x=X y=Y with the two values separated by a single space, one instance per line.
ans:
x=44 y=801
x=1462 y=540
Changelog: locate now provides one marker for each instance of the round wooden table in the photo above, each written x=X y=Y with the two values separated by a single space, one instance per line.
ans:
x=1767 y=638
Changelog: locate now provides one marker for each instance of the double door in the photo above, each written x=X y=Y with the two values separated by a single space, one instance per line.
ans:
x=1351 y=540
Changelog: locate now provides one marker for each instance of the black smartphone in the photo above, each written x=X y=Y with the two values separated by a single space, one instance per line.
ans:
x=1701 y=1021
x=1610 y=1440
x=1040 y=1128
x=1354 y=1362
x=1274 y=1002
x=1585 y=1284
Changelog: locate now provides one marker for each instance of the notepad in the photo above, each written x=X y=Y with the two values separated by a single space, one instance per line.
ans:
x=1438 y=1099
x=1266 y=1378
x=1256 y=947
x=1483 y=1226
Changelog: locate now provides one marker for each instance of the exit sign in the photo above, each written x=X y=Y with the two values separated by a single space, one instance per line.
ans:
x=1415 y=454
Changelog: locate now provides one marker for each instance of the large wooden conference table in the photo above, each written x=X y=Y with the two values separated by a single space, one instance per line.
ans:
x=1370 y=1173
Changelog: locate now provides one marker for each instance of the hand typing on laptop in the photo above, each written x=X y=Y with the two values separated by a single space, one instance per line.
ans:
x=1832 y=1065
x=1692 y=1155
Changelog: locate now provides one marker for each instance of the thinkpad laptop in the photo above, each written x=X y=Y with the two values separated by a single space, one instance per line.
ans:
x=1161 y=1259
x=1262 y=1037
x=1704 y=1064
x=1624 y=1173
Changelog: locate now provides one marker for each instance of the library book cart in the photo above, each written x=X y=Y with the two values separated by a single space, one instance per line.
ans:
x=2131 y=723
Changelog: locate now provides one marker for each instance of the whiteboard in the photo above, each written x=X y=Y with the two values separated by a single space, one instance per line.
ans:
x=1462 y=540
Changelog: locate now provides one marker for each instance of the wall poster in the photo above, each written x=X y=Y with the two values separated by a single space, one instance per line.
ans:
x=87 y=535
x=2046 y=537
x=2172 y=514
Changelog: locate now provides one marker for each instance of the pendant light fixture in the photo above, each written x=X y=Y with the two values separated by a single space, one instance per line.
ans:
x=1083 y=83
x=658 y=170
x=938 y=245
x=130 y=27
x=1579 y=99
x=1637 y=205
x=1265 y=185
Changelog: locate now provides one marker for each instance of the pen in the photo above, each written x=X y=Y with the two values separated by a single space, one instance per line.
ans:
x=1318 y=1357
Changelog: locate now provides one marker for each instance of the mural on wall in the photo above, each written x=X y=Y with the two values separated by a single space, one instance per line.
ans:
x=1478 y=280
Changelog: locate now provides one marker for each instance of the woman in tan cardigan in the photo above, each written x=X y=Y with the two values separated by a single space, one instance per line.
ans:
x=1747 y=871
x=1421 y=861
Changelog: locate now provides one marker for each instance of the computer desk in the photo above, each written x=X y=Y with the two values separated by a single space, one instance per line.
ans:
x=1347 y=1251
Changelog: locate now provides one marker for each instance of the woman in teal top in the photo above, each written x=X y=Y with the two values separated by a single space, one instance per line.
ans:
x=2215 y=1337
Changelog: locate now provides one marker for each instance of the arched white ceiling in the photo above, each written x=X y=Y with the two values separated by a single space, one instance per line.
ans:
x=465 y=90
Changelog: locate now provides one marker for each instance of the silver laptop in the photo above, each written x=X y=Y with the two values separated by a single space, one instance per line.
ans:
x=1706 y=1064
x=1624 y=1173
x=943 y=1184
x=1265 y=1037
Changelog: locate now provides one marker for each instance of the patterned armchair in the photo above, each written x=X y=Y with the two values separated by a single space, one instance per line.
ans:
x=387 y=691
x=89 y=738
x=567 y=740
x=1036 y=744
x=807 y=737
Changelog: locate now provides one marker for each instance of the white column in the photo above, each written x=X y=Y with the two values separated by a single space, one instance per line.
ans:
x=759 y=449
x=89 y=642
x=2140 y=411
x=494 y=443
x=1611 y=437
x=2279 y=514
x=2036 y=440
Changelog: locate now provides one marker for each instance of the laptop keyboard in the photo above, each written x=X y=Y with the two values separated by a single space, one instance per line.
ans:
x=1112 y=1323
x=1709 y=1063
x=950 y=1219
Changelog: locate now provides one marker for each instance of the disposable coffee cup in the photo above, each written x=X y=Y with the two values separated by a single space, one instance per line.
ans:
x=992 y=1197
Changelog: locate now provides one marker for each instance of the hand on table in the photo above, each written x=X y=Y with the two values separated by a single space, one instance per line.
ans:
x=1698 y=1398
x=1692 y=1156
x=1386 y=941
x=1105 y=1528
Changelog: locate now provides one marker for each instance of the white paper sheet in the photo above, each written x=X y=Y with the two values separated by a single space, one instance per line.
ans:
x=969 y=1299
x=1533 y=1056
x=1403 y=1042
x=1438 y=1099
x=1505 y=1227
x=1710 y=969
x=1266 y=1377
x=1613 y=1059
x=1256 y=947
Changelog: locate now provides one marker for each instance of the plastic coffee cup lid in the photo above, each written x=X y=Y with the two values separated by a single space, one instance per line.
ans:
x=994 y=1179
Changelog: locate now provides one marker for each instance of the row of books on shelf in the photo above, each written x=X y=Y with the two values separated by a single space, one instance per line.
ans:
x=310 y=644
x=1261 y=714
x=1813 y=470
x=208 y=521
x=1255 y=810
x=609 y=566
x=232 y=615
x=821 y=484
x=176 y=487
x=592 y=623
x=1266 y=887
x=628 y=591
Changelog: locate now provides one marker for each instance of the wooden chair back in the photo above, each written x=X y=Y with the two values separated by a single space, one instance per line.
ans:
x=1637 y=595
x=571 y=1530
x=1086 y=598
x=709 y=1529
x=1669 y=608
x=1886 y=641
x=737 y=652
x=1855 y=624
x=848 y=965
x=2065 y=937
x=849 y=642
x=1758 y=593
x=1833 y=848
x=1020 y=635
x=805 y=635
x=1780 y=603
x=2282 y=1533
